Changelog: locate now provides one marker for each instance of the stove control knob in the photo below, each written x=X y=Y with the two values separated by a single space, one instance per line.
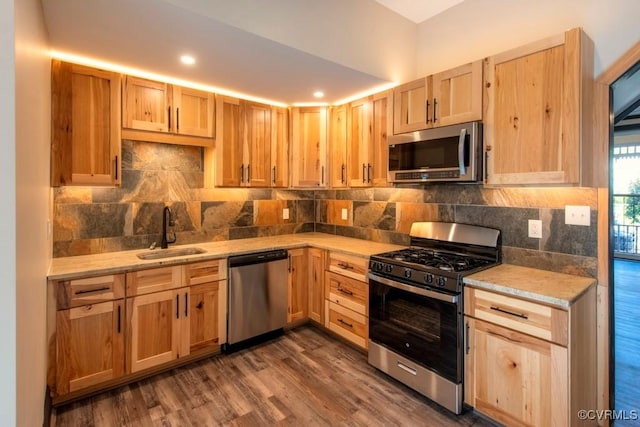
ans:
x=380 y=266
x=442 y=281
x=389 y=268
x=407 y=273
x=428 y=278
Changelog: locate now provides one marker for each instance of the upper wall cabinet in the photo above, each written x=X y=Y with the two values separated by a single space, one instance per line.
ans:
x=279 y=147
x=537 y=105
x=85 y=107
x=160 y=112
x=338 y=146
x=446 y=98
x=309 y=147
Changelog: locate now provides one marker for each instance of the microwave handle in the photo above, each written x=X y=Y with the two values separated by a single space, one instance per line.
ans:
x=463 y=134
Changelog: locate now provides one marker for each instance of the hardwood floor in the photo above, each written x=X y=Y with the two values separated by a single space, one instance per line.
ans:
x=627 y=338
x=303 y=378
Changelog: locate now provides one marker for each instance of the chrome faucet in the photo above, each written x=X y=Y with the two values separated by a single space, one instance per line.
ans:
x=167 y=220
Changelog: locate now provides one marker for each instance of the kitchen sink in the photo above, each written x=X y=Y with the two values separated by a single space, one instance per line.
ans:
x=170 y=253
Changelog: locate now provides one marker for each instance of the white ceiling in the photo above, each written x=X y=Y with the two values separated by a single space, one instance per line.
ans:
x=150 y=35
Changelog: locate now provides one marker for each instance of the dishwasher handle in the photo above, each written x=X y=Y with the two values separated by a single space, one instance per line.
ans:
x=258 y=257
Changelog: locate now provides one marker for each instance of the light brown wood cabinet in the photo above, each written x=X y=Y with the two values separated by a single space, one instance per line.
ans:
x=245 y=154
x=309 y=147
x=528 y=363
x=537 y=111
x=85 y=125
x=449 y=97
x=89 y=333
x=316 y=285
x=338 y=124
x=298 y=286
x=160 y=112
x=347 y=297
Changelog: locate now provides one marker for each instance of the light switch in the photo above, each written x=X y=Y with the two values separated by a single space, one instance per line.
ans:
x=345 y=214
x=285 y=213
x=577 y=215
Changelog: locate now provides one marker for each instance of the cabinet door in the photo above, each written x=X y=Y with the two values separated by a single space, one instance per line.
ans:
x=316 y=285
x=409 y=106
x=230 y=170
x=382 y=122
x=298 y=300
x=257 y=135
x=309 y=147
x=207 y=315
x=536 y=101
x=90 y=345
x=518 y=379
x=360 y=143
x=194 y=112
x=158 y=328
x=144 y=105
x=338 y=146
x=85 y=148
x=279 y=147
x=457 y=95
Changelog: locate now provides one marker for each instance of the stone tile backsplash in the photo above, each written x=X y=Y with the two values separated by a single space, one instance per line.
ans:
x=95 y=220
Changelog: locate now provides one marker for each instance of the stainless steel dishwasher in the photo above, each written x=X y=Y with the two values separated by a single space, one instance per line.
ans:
x=257 y=307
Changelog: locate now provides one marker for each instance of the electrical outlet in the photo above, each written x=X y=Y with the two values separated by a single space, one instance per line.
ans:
x=577 y=215
x=535 y=228
x=345 y=214
x=285 y=213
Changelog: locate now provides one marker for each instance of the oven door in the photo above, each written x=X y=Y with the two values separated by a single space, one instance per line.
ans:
x=422 y=325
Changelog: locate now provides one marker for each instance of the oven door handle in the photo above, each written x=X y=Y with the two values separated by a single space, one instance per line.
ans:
x=461 y=165
x=453 y=299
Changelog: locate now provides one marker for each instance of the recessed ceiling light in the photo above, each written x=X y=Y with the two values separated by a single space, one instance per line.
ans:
x=187 y=59
x=318 y=94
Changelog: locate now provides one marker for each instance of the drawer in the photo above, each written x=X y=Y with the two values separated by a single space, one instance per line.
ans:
x=347 y=292
x=348 y=265
x=91 y=290
x=153 y=280
x=531 y=318
x=205 y=272
x=347 y=323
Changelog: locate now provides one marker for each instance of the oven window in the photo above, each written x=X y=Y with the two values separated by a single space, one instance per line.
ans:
x=422 y=329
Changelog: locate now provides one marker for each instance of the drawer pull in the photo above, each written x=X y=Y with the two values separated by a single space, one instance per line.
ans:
x=501 y=310
x=350 y=325
x=345 y=266
x=344 y=291
x=407 y=368
x=89 y=291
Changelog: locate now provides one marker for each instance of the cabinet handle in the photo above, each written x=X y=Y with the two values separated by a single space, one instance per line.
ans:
x=248 y=174
x=344 y=291
x=364 y=173
x=322 y=178
x=467 y=348
x=342 y=174
x=435 y=102
x=369 y=172
x=169 y=118
x=119 y=318
x=242 y=173
x=177 y=119
x=274 y=174
x=502 y=310
x=486 y=166
x=350 y=325
x=115 y=161
x=90 y=291
x=289 y=265
x=186 y=304
x=177 y=306
x=426 y=111
x=345 y=266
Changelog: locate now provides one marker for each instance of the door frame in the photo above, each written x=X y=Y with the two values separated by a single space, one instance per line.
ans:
x=600 y=179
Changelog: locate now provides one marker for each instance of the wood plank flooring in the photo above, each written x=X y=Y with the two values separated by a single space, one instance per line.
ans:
x=303 y=378
x=627 y=338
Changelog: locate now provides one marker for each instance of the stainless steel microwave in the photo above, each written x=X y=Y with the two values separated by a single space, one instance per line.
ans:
x=449 y=153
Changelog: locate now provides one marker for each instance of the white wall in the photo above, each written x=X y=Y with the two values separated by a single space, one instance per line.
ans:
x=479 y=28
x=7 y=218
x=33 y=250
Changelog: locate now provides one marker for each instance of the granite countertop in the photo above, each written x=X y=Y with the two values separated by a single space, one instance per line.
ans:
x=118 y=262
x=542 y=286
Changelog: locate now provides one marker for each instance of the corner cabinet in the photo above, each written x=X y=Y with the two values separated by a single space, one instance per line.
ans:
x=309 y=147
x=85 y=126
x=442 y=99
x=527 y=363
x=537 y=111
x=161 y=112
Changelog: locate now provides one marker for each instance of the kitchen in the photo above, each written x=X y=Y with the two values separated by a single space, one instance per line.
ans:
x=504 y=206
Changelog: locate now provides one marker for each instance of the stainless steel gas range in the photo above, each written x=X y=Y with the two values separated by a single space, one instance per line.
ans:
x=415 y=306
